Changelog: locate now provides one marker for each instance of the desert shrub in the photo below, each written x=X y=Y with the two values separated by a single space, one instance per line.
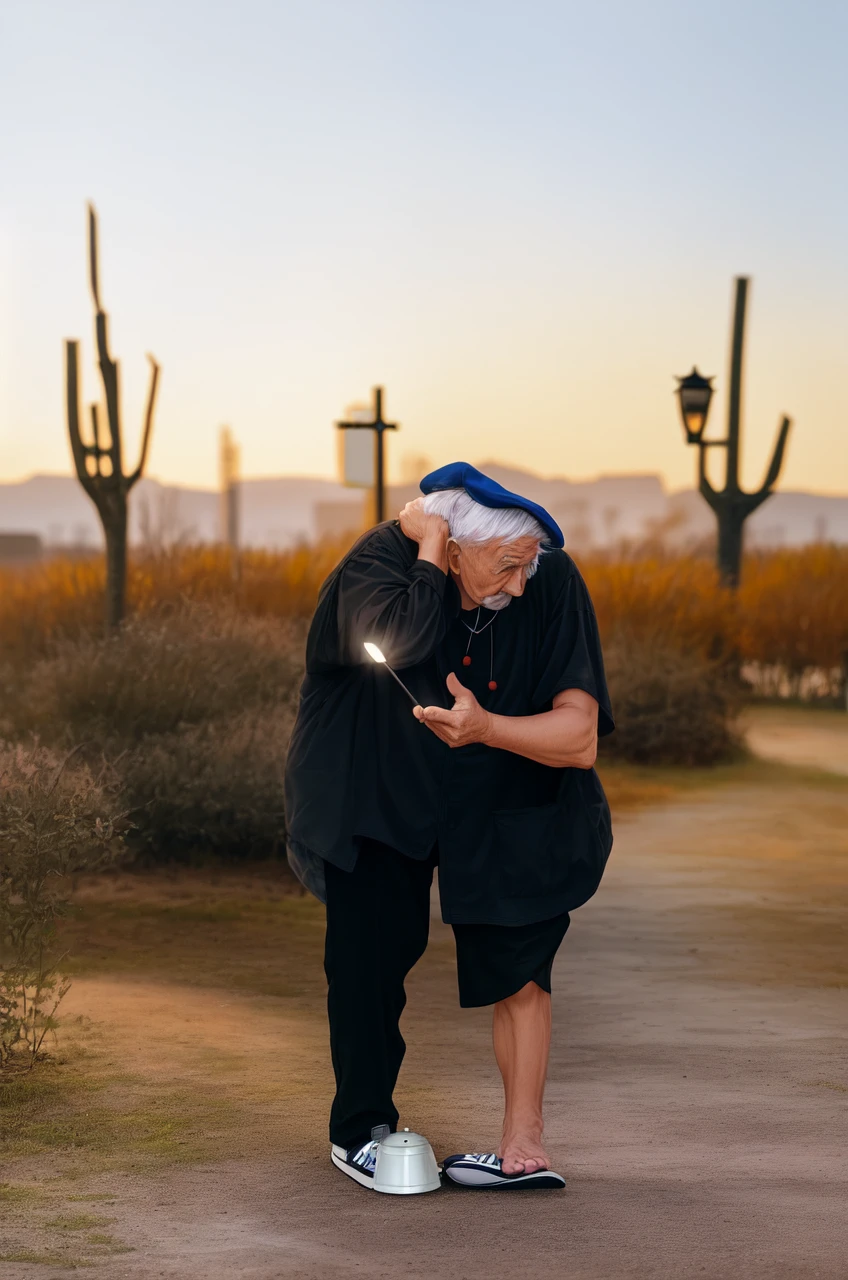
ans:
x=188 y=664
x=211 y=788
x=787 y=624
x=63 y=599
x=670 y=707
x=57 y=818
x=793 y=609
x=268 y=584
x=671 y=600
x=194 y=704
x=43 y=603
x=194 y=695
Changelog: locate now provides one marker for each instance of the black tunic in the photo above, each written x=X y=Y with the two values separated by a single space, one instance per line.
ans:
x=518 y=841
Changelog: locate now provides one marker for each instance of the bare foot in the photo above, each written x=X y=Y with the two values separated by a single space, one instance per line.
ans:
x=522 y=1152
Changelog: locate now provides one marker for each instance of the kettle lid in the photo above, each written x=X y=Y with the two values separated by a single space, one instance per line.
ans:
x=411 y=1141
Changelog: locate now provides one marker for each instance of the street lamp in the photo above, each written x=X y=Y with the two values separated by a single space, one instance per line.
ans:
x=694 y=393
x=731 y=504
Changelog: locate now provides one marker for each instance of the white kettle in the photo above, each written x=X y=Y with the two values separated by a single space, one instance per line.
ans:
x=405 y=1165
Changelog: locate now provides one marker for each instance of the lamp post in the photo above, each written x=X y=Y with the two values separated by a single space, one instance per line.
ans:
x=379 y=427
x=731 y=504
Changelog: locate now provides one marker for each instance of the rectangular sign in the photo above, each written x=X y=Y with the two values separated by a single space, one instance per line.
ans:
x=358 y=450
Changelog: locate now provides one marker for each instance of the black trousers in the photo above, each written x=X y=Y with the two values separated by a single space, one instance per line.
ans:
x=378 y=923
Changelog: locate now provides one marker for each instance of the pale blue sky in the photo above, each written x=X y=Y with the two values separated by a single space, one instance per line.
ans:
x=522 y=218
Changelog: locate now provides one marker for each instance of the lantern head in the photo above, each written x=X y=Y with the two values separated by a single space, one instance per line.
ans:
x=695 y=393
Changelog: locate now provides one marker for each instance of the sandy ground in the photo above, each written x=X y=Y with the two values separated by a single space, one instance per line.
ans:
x=696 y=1105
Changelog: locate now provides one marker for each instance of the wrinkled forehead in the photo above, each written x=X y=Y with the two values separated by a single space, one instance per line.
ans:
x=519 y=551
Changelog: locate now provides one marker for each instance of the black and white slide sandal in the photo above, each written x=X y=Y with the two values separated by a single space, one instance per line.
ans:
x=484 y=1172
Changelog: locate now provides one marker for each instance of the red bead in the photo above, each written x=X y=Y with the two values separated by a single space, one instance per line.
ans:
x=466 y=661
x=493 y=684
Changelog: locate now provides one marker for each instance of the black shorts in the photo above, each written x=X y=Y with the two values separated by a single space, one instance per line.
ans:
x=493 y=961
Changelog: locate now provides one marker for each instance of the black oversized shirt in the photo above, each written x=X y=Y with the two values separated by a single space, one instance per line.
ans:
x=518 y=841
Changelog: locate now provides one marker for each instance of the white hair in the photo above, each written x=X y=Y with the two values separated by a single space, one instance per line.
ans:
x=472 y=523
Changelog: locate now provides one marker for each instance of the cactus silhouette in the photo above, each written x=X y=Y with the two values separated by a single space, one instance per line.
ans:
x=99 y=465
x=732 y=504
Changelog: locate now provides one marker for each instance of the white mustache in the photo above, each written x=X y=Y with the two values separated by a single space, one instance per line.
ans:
x=500 y=601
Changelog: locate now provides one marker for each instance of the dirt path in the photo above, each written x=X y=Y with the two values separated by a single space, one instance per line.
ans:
x=697 y=1098
x=796 y=735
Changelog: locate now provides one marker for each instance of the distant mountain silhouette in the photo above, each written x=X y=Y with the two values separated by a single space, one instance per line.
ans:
x=280 y=511
x=276 y=512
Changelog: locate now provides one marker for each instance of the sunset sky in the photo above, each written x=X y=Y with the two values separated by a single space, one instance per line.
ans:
x=521 y=218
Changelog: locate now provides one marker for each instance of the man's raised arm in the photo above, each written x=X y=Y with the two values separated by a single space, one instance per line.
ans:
x=398 y=608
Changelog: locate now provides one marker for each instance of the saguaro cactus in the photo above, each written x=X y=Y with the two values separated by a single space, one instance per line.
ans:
x=100 y=465
x=731 y=504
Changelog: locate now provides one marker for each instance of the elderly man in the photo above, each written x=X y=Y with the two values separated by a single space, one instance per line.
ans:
x=467 y=593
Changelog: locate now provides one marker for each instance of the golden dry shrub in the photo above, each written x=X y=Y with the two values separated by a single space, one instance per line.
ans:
x=64 y=599
x=793 y=608
x=42 y=603
x=791 y=611
x=676 y=601
x=267 y=583
x=194 y=696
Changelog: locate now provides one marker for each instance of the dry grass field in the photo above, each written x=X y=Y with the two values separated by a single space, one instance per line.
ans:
x=791 y=611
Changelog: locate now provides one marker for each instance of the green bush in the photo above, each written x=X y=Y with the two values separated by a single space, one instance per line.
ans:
x=670 y=707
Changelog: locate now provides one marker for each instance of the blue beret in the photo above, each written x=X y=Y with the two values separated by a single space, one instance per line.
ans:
x=461 y=475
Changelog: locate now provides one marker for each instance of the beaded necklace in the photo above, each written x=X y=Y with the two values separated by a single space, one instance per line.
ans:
x=476 y=630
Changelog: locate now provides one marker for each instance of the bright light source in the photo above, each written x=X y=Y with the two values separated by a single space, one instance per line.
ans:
x=377 y=654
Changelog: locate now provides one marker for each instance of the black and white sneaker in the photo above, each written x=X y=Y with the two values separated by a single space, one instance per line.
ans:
x=484 y=1171
x=359 y=1162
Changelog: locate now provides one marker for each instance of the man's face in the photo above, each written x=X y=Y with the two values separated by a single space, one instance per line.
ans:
x=492 y=573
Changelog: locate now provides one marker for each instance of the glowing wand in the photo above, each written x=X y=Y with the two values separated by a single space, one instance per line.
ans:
x=378 y=656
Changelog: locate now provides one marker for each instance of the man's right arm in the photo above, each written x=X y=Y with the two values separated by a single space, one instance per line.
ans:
x=396 y=607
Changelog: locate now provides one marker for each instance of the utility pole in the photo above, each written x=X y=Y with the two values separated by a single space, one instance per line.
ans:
x=229 y=456
x=731 y=504
x=365 y=470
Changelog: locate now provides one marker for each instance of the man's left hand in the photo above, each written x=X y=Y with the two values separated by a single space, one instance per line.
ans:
x=465 y=722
